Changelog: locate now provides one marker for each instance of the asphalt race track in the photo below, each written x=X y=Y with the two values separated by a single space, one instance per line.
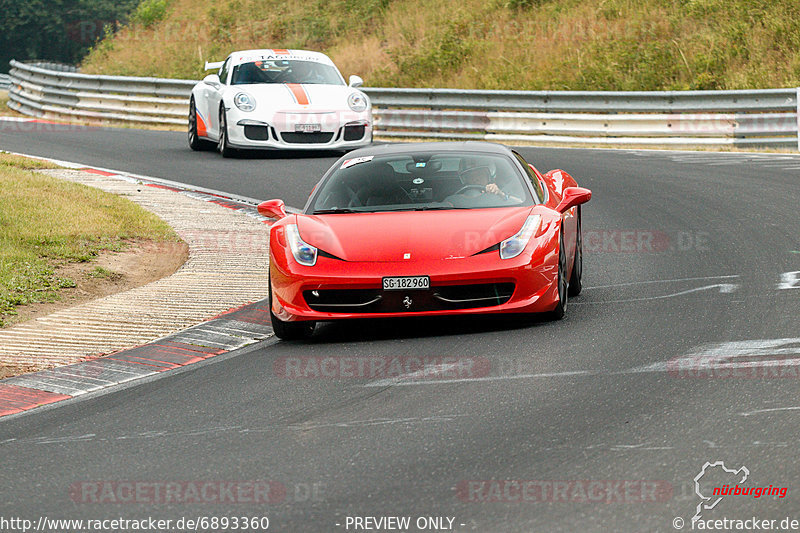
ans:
x=684 y=349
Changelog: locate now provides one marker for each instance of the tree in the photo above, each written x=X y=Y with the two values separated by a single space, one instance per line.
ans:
x=56 y=30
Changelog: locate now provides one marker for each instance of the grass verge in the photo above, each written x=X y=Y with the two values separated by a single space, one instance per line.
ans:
x=480 y=44
x=46 y=223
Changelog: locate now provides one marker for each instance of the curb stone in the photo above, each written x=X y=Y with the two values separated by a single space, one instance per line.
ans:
x=205 y=309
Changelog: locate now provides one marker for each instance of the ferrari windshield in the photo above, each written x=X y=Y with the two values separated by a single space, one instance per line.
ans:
x=285 y=71
x=422 y=181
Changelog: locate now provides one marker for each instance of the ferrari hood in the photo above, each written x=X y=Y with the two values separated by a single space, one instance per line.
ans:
x=411 y=235
x=296 y=97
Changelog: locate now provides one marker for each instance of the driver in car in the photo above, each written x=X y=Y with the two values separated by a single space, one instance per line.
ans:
x=306 y=72
x=479 y=187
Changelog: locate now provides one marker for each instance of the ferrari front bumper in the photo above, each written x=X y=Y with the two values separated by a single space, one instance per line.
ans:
x=335 y=289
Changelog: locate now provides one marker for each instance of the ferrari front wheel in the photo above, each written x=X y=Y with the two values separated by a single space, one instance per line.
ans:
x=563 y=285
x=288 y=331
x=575 y=280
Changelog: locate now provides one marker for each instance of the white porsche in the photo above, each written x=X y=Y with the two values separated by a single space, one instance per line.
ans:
x=287 y=99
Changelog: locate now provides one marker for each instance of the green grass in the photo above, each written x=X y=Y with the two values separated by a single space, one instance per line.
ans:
x=480 y=44
x=46 y=222
x=102 y=273
x=4 y=109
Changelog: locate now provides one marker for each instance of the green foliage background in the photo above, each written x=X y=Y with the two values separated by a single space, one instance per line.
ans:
x=56 y=30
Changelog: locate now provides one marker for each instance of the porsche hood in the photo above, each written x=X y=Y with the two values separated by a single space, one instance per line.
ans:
x=415 y=235
x=296 y=97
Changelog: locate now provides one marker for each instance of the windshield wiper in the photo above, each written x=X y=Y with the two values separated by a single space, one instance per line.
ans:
x=335 y=210
x=428 y=208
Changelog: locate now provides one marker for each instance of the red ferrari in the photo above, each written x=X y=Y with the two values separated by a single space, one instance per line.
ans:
x=426 y=230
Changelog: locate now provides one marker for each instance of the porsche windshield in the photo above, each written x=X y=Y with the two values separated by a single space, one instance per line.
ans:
x=421 y=181
x=285 y=71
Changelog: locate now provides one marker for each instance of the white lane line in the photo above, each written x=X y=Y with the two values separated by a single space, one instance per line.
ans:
x=659 y=281
x=716 y=356
x=427 y=373
x=399 y=383
x=59 y=440
x=724 y=288
x=776 y=409
x=376 y=422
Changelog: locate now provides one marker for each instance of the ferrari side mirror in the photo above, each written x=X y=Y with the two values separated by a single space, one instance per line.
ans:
x=272 y=209
x=573 y=196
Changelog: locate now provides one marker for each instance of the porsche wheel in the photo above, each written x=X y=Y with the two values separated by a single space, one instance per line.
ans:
x=289 y=331
x=577 y=268
x=195 y=142
x=563 y=286
x=223 y=145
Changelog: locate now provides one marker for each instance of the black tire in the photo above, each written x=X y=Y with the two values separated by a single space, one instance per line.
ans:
x=575 y=280
x=223 y=146
x=195 y=142
x=563 y=285
x=289 y=331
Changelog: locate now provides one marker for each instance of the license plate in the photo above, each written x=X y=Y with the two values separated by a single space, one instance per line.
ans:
x=406 y=282
x=307 y=128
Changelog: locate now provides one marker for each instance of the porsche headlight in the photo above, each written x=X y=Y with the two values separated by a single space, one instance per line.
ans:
x=513 y=246
x=357 y=102
x=244 y=102
x=303 y=253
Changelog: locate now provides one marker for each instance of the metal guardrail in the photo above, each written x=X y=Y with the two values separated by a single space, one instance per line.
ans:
x=754 y=118
x=46 y=93
x=767 y=118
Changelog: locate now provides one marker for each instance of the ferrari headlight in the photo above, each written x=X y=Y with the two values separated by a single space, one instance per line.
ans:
x=357 y=102
x=513 y=246
x=244 y=102
x=303 y=253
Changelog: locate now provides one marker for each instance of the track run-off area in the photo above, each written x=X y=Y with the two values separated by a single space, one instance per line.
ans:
x=675 y=372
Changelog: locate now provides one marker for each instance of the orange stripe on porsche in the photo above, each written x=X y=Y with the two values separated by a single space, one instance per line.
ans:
x=281 y=51
x=299 y=93
x=202 y=131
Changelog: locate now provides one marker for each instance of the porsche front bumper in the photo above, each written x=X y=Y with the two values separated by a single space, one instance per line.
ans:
x=300 y=131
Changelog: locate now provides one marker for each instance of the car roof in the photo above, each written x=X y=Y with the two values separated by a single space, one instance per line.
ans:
x=410 y=148
x=246 y=56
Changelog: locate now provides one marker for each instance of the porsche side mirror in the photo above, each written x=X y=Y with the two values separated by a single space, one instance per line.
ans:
x=213 y=80
x=356 y=81
x=272 y=209
x=573 y=196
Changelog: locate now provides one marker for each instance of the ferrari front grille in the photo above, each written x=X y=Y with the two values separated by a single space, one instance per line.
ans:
x=441 y=298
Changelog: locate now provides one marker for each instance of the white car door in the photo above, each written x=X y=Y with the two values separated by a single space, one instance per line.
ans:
x=212 y=96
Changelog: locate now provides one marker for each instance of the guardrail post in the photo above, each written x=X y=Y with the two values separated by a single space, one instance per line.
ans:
x=797 y=99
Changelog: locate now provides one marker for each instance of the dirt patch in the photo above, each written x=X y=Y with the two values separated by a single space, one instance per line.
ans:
x=110 y=273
